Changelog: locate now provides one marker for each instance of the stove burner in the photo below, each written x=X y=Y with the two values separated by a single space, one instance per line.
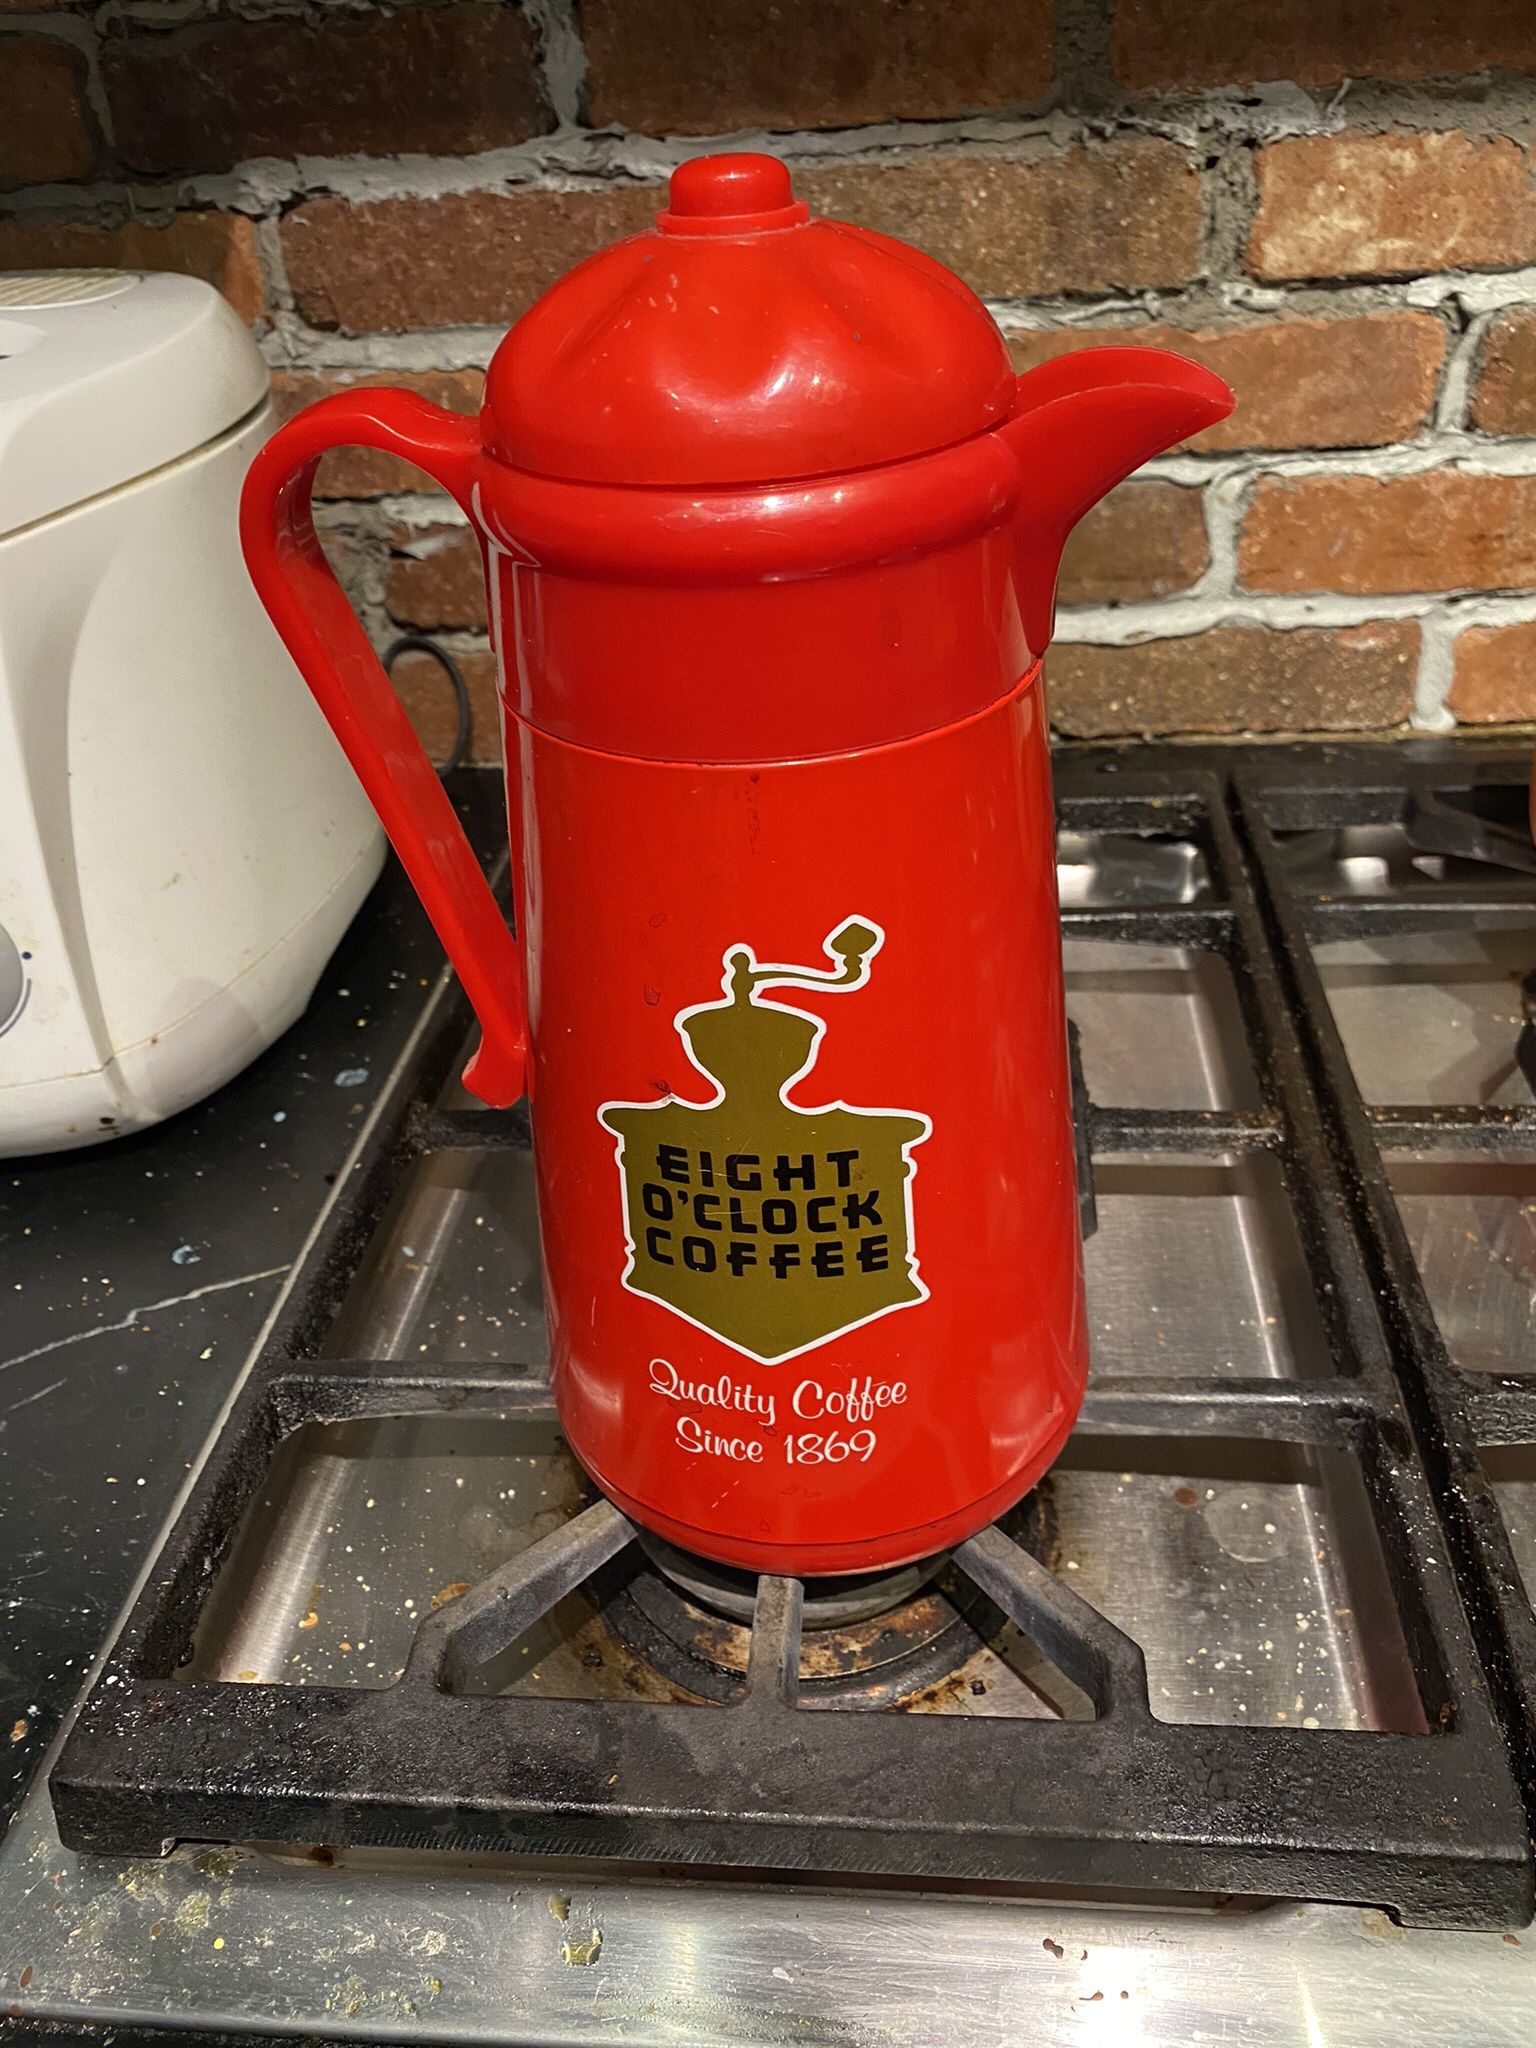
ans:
x=872 y=1662
x=828 y=1603
x=871 y=1640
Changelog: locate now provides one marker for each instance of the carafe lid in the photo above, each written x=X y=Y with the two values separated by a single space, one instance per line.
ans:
x=742 y=341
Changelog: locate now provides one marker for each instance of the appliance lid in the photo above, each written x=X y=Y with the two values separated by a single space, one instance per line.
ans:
x=744 y=341
x=106 y=375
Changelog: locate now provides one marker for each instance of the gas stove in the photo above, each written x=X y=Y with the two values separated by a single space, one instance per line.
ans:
x=408 y=1735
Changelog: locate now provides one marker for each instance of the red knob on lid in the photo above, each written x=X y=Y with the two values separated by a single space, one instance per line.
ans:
x=730 y=195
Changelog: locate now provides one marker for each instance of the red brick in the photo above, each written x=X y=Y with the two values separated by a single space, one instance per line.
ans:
x=1351 y=383
x=1144 y=540
x=1087 y=219
x=1238 y=679
x=390 y=265
x=1504 y=396
x=428 y=696
x=1188 y=45
x=703 y=67
x=1444 y=530
x=451 y=79
x=1494 y=679
x=369 y=472
x=219 y=247
x=1358 y=205
x=436 y=578
x=45 y=131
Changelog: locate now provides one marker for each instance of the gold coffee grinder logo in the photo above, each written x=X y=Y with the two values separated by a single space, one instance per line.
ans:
x=771 y=1226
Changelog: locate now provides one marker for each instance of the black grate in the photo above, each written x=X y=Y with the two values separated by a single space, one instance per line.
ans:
x=1429 y=1824
x=1472 y=808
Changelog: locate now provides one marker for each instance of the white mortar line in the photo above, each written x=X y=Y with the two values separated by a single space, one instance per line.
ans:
x=567 y=159
x=277 y=295
x=562 y=56
x=1177 y=618
x=576 y=159
x=376 y=516
x=1223 y=501
x=1435 y=449
x=1454 y=395
x=1227 y=305
x=1477 y=291
x=1438 y=637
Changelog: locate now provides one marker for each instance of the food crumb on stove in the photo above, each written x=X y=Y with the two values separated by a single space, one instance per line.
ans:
x=311 y=1620
x=20 y=1729
x=559 y=1906
x=580 y=1954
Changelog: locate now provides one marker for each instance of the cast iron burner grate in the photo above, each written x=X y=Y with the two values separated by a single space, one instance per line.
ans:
x=1423 y=1817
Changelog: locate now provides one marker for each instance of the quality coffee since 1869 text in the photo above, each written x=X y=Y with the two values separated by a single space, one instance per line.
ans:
x=818 y=1401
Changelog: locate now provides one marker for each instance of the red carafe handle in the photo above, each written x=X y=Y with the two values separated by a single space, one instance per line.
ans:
x=335 y=658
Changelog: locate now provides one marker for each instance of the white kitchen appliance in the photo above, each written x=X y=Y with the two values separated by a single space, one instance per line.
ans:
x=182 y=842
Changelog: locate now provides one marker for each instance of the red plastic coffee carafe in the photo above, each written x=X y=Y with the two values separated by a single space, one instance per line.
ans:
x=771 y=533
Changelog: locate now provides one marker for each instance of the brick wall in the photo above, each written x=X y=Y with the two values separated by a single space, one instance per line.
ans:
x=1331 y=204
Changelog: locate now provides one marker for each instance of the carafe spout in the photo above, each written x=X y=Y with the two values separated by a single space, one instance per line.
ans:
x=1079 y=426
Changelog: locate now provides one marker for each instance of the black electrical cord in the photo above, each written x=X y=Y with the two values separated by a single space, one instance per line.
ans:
x=418 y=643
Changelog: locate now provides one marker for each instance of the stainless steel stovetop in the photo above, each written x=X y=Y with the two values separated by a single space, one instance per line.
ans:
x=1250 y=1572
